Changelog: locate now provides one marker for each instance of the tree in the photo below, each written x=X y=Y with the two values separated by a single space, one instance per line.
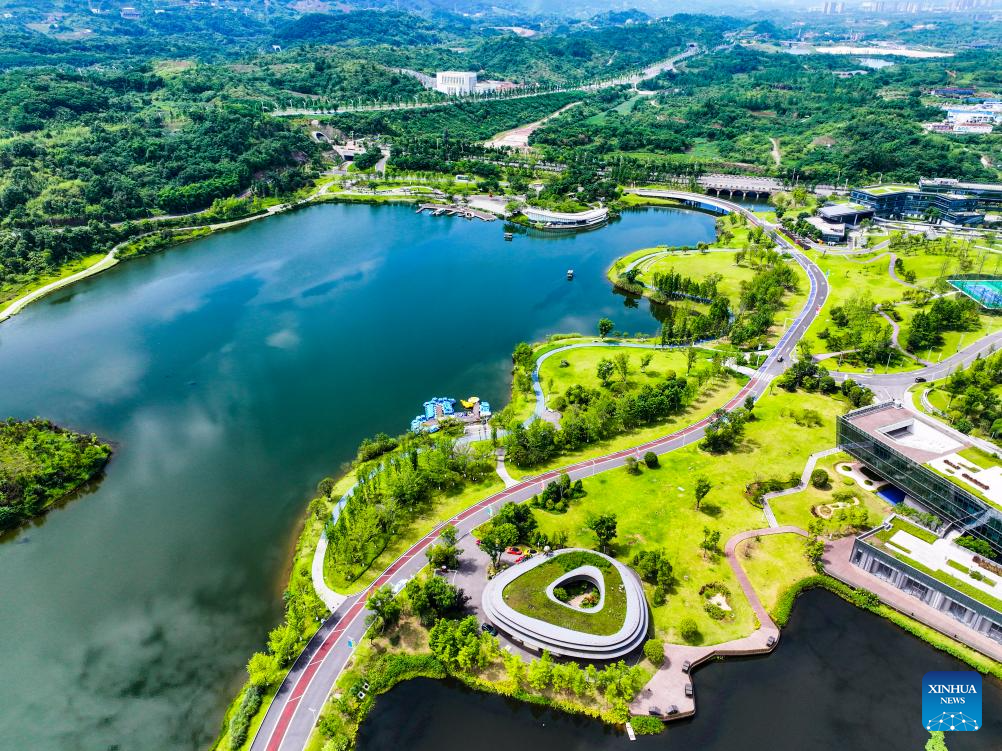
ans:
x=651 y=460
x=688 y=630
x=936 y=742
x=820 y=479
x=710 y=543
x=690 y=358
x=447 y=553
x=263 y=670
x=622 y=362
x=703 y=487
x=498 y=539
x=384 y=606
x=645 y=361
x=605 y=327
x=433 y=599
x=604 y=527
x=605 y=369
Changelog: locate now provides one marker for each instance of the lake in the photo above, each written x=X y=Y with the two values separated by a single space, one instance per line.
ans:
x=841 y=678
x=232 y=374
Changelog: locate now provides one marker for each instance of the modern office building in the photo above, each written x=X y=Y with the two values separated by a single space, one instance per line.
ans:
x=455 y=83
x=845 y=213
x=933 y=467
x=987 y=196
x=916 y=202
x=936 y=572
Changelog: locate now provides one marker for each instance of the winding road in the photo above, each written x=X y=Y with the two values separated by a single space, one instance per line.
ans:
x=290 y=718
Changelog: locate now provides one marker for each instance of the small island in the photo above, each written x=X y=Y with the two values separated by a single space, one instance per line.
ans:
x=41 y=463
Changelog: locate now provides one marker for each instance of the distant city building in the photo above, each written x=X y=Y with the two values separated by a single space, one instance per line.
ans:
x=455 y=83
x=952 y=91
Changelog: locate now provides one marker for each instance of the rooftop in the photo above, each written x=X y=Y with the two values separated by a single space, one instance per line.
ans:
x=938 y=557
x=885 y=190
x=910 y=434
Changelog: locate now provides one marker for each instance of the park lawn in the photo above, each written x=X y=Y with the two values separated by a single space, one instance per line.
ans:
x=632 y=199
x=953 y=341
x=440 y=509
x=16 y=288
x=899 y=364
x=583 y=364
x=847 y=279
x=657 y=508
x=698 y=265
x=714 y=395
x=795 y=508
x=773 y=564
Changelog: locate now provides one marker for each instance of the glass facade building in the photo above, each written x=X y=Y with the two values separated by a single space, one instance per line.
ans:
x=952 y=503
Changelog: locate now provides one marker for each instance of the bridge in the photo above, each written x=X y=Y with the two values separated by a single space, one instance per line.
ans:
x=740 y=186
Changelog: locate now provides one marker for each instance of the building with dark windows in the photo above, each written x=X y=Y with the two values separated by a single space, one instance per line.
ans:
x=954 y=201
x=935 y=468
x=934 y=571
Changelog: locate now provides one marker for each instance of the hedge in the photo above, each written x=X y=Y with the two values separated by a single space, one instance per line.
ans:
x=645 y=725
x=241 y=720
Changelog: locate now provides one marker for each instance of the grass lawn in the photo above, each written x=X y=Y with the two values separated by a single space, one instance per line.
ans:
x=903 y=525
x=980 y=457
x=527 y=595
x=773 y=564
x=656 y=509
x=698 y=265
x=438 y=510
x=796 y=508
x=582 y=365
x=14 y=289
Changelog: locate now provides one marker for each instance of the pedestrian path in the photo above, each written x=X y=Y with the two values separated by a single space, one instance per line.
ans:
x=667 y=687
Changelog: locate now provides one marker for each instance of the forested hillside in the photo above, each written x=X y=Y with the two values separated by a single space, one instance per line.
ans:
x=725 y=109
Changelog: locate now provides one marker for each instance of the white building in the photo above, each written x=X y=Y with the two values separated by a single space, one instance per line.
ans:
x=455 y=83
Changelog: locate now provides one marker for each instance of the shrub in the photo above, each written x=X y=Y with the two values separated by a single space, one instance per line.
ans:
x=651 y=460
x=689 y=630
x=558 y=403
x=561 y=594
x=241 y=720
x=820 y=479
x=632 y=465
x=660 y=598
x=646 y=725
x=713 y=610
x=654 y=650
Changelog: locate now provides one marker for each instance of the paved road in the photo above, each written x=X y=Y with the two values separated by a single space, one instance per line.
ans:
x=292 y=715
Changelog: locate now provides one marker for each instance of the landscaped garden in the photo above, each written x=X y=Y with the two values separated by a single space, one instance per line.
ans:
x=528 y=595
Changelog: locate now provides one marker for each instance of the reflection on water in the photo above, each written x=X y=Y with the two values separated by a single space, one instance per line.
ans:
x=232 y=374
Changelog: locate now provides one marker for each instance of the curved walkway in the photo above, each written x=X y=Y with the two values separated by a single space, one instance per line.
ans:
x=291 y=716
x=667 y=686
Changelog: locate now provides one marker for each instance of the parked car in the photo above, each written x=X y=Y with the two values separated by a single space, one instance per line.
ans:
x=523 y=557
x=514 y=551
x=770 y=642
x=654 y=712
x=688 y=689
x=685 y=666
x=489 y=628
x=673 y=709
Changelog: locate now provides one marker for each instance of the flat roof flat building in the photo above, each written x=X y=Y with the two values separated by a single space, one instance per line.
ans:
x=922 y=458
x=455 y=83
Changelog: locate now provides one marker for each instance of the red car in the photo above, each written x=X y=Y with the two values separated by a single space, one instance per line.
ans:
x=513 y=551
x=523 y=557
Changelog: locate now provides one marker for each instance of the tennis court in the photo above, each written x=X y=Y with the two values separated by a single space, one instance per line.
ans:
x=986 y=292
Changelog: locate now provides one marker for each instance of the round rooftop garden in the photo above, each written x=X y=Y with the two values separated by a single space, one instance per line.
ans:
x=576 y=603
